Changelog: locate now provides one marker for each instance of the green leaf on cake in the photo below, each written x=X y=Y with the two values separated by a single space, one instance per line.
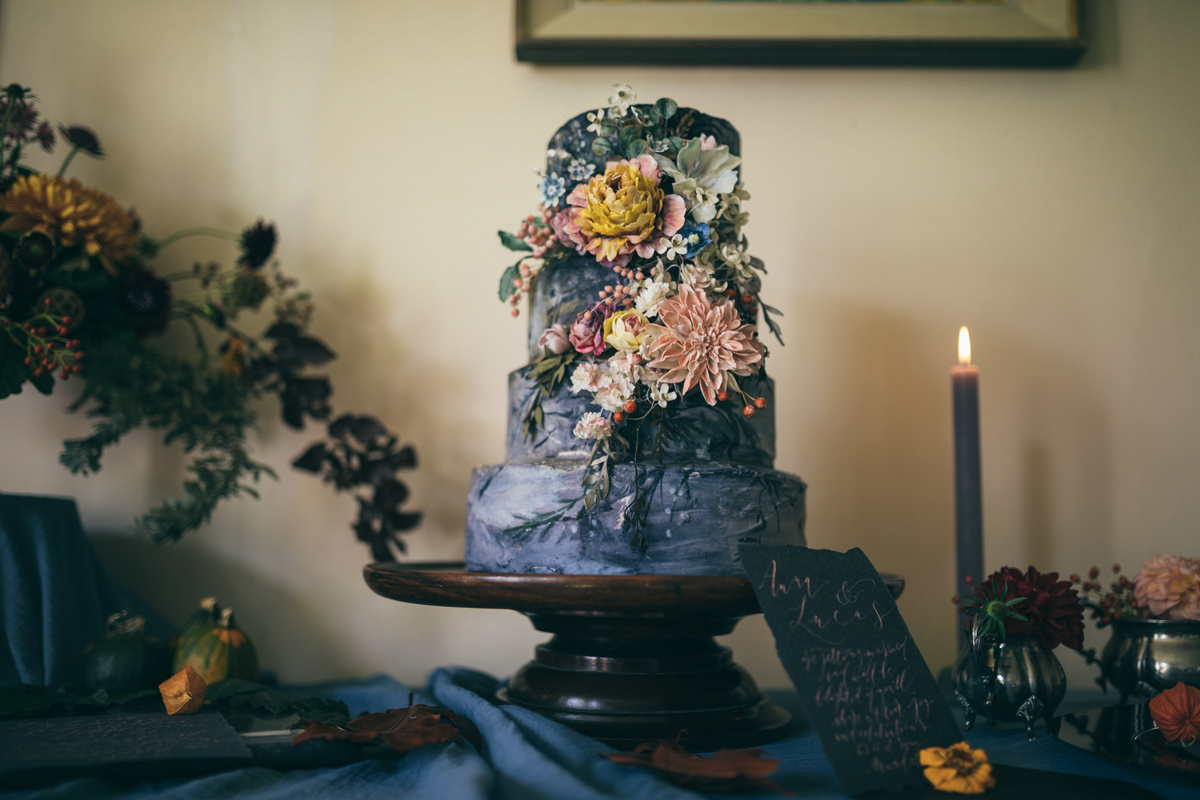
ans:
x=601 y=146
x=513 y=243
x=506 y=281
x=666 y=108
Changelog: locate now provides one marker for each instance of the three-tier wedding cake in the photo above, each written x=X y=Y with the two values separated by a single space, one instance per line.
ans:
x=641 y=437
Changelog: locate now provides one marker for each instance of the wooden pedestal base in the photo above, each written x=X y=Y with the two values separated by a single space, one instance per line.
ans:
x=632 y=658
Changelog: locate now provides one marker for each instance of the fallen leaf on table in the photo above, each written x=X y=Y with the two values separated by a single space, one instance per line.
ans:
x=236 y=694
x=183 y=692
x=21 y=700
x=723 y=771
x=402 y=729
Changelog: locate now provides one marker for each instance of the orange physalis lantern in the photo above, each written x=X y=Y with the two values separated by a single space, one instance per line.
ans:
x=1176 y=712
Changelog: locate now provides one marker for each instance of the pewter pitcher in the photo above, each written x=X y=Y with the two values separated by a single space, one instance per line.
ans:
x=1010 y=679
x=1145 y=657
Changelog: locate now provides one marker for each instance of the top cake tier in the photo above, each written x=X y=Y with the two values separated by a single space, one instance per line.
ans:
x=573 y=141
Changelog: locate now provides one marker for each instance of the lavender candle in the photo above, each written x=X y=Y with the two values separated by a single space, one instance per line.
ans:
x=968 y=484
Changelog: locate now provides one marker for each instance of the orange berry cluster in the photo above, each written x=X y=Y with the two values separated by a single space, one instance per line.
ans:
x=752 y=403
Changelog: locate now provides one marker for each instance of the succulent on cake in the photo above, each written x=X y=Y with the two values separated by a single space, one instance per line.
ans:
x=645 y=191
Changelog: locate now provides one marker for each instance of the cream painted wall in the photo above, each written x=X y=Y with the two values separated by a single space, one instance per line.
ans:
x=1055 y=213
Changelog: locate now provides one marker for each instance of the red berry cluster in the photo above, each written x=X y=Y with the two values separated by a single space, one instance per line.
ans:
x=1118 y=601
x=47 y=348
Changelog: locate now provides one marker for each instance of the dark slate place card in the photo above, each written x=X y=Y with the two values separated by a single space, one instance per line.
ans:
x=860 y=677
x=126 y=745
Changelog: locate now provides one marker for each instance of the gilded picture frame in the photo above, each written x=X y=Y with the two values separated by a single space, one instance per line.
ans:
x=961 y=33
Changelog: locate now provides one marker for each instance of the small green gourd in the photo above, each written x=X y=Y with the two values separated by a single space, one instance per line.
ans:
x=223 y=652
x=126 y=659
x=200 y=622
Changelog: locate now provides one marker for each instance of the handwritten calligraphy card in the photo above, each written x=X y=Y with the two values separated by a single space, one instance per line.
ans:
x=863 y=684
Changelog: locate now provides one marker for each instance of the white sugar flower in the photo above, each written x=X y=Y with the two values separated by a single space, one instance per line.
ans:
x=592 y=425
x=595 y=120
x=580 y=170
x=615 y=390
x=661 y=393
x=700 y=275
x=586 y=377
x=677 y=247
x=622 y=98
x=653 y=293
x=732 y=254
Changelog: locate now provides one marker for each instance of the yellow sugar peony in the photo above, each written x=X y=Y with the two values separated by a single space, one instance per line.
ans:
x=72 y=214
x=625 y=330
x=957 y=769
x=622 y=212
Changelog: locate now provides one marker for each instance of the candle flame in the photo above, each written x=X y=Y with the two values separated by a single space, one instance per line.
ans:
x=964 y=346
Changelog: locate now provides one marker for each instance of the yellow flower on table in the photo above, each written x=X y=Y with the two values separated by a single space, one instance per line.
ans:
x=957 y=769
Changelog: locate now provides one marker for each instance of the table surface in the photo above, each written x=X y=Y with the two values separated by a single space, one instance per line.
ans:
x=529 y=757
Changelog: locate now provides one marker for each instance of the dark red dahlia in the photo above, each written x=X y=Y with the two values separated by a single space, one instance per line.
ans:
x=1051 y=607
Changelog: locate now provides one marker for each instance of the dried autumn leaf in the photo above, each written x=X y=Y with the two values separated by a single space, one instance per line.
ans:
x=183 y=692
x=1176 y=712
x=723 y=771
x=402 y=729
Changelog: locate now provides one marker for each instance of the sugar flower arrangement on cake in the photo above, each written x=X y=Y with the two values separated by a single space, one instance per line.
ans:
x=664 y=213
x=80 y=299
x=1167 y=587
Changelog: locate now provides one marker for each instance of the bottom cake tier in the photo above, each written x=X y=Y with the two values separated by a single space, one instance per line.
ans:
x=530 y=517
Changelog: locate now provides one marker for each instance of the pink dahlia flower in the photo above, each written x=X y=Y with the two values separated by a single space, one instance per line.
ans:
x=700 y=344
x=587 y=332
x=1170 y=587
x=622 y=212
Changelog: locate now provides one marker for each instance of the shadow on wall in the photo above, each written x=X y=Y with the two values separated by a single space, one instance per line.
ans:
x=379 y=372
x=880 y=463
x=177 y=577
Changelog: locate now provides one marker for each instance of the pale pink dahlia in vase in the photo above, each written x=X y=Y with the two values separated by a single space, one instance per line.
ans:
x=1170 y=587
x=701 y=344
x=622 y=212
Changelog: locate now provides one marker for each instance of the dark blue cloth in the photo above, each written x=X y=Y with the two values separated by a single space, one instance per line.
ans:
x=529 y=757
x=56 y=597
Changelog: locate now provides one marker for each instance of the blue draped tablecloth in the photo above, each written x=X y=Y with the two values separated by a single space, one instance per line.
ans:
x=56 y=597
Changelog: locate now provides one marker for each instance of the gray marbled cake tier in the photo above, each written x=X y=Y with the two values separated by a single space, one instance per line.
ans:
x=713 y=489
x=529 y=517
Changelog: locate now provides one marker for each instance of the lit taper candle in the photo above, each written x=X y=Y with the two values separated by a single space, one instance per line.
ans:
x=968 y=483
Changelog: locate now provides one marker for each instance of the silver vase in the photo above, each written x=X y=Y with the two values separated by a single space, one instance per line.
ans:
x=1010 y=679
x=1145 y=657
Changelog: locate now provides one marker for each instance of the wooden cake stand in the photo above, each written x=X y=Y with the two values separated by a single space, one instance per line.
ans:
x=632 y=658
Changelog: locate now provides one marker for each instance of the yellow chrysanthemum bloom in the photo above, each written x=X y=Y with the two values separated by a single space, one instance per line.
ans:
x=622 y=208
x=233 y=359
x=625 y=330
x=957 y=769
x=71 y=214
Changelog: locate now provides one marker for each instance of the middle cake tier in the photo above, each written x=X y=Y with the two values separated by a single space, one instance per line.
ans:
x=531 y=517
x=698 y=432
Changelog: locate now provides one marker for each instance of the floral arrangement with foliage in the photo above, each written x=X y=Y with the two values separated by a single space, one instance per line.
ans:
x=680 y=315
x=1166 y=587
x=1011 y=602
x=79 y=298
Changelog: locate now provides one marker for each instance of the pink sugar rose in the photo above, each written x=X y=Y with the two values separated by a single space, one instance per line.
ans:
x=1170 y=587
x=554 y=339
x=587 y=335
